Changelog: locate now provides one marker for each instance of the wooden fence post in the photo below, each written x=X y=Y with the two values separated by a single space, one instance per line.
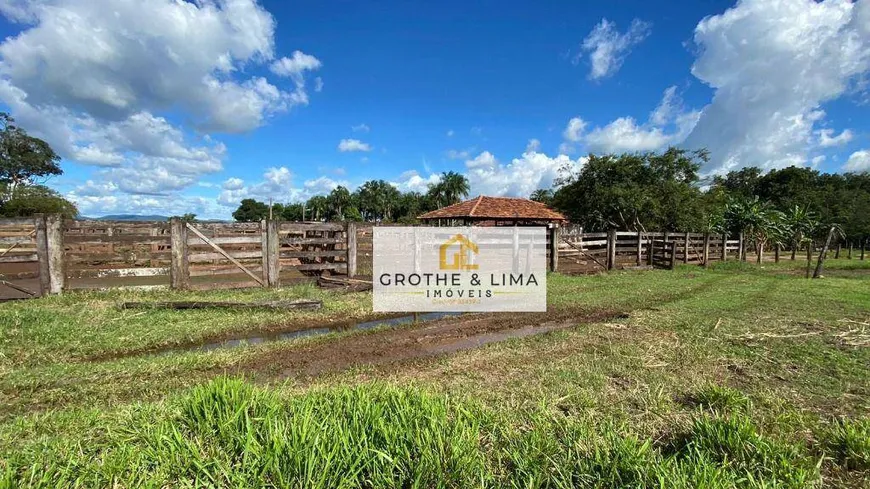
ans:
x=837 y=253
x=273 y=262
x=639 y=248
x=350 y=236
x=741 y=248
x=673 y=254
x=611 y=249
x=724 y=249
x=41 y=253
x=776 y=251
x=706 y=250
x=850 y=250
x=179 y=270
x=649 y=249
x=686 y=248
x=264 y=248
x=54 y=240
x=554 y=248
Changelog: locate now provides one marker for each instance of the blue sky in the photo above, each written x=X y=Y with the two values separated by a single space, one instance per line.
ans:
x=172 y=107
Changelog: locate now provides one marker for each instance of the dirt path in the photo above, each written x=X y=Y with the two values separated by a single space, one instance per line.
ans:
x=397 y=345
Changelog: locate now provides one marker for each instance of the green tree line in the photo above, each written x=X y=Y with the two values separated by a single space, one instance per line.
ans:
x=664 y=192
x=373 y=201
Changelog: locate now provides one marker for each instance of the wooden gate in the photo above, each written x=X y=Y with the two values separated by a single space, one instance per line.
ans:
x=664 y=254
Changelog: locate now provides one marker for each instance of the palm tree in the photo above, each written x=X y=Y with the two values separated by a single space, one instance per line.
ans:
x=757 y=220
x=801 y=222
x=316 y=207
x=337 y=202
x=542 y=195
x=452 y=188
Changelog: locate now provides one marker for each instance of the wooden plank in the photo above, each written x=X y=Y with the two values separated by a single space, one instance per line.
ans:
x=351 y=237
x=18 y=288
x=300 y=227
x=298 y=241
x=179 y=271
x=250 y=239
x=315 y=254
x=132 y=239
x=225 y=254
x=200 y=271
x=554 y=248
x=42 y=252
x=54 y=244
x=118 y=272
x=272 y=261
x=686 y=244
x=30 y=257
x=611 y=249
x=17 y=221
x=239 y=255
x=319 y=266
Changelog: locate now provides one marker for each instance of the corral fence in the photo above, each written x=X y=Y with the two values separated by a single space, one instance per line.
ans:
x=46 y=254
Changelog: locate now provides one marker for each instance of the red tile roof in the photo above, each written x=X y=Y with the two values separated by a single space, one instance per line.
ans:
x=484 y=207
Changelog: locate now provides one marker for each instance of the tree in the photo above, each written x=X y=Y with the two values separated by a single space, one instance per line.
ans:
x=800 y=223
x=758 y=220
x=315 y=208
x=292 y=212
x=377 y=200
x=27 y=200
x=542 y=195
x=251 y=210
x=451 y=189
x=23 y=158
x=635 y=191
x=185 y=218
x=337 y=203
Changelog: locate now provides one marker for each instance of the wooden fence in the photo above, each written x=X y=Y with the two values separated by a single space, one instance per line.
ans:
x=45 y=254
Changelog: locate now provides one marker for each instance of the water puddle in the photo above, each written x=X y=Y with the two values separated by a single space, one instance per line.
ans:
x=260 y=338
x=479 y=340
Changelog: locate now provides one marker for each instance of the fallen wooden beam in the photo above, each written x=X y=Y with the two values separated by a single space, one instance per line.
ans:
x=18 y=288
x=274 y=306
x=355 y=284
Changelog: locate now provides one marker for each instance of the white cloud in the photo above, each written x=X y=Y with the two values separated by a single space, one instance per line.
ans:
x=669 y=123
x=93 y=77
x=360 y=128
x=574 y=130
x=772 y=64
x=295 y=66
x=818 y=160
x=318 y=84
x=233 y=183
x=858 y=162
x=450 y=133
x=608 y=48
x=533 y=146
x=277 y=184
x=349 y=145
x=827 y=138
x=459 y=154
x=412 y=181
x=520 y=177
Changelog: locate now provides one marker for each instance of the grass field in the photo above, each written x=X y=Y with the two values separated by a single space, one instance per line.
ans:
x=734 y=376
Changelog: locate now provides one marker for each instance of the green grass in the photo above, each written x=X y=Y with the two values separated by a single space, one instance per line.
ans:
x=230 y=434
x=715 y=378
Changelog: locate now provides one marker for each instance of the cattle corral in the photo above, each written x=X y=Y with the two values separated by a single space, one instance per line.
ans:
x=46 y=254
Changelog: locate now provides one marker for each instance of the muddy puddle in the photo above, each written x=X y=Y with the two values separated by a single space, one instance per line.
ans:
x=261 y=337
x=397 y=345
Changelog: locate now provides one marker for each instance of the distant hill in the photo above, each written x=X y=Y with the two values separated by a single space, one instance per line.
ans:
x=128 y=217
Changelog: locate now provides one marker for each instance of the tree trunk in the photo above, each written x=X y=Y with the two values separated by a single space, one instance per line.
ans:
x=821 y=263
x=794 y=249
x=809 y=258
x=759 y=251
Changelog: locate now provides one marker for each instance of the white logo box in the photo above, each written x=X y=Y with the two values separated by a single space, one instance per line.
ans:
x=459 y=269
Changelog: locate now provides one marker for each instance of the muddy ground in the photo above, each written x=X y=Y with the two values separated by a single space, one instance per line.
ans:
x=403 y=344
